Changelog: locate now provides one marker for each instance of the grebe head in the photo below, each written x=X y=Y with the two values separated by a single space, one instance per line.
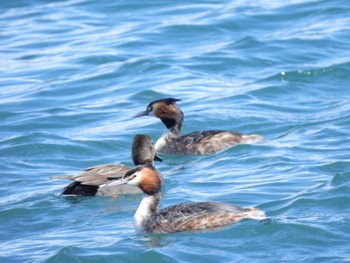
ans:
x=164 y=109
x=146 y=177
x=143 y=151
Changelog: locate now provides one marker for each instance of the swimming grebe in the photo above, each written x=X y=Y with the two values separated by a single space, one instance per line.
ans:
x=183 y=216
x=204 y=142
x=95 y=180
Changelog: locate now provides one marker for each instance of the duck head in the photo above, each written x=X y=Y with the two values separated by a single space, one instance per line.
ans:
x=143 y=151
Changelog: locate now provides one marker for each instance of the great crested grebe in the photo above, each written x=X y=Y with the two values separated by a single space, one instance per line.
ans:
x=180 y=217
x=198 y=142
x=96 y=180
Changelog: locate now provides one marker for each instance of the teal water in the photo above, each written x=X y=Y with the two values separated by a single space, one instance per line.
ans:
x=73 y=73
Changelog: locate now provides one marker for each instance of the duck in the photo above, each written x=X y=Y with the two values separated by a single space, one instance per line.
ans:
x=190 y=216
x=95 y=180
x=195 y=143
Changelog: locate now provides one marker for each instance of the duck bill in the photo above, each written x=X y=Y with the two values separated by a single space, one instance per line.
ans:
x=141 y=114
x=157 y=158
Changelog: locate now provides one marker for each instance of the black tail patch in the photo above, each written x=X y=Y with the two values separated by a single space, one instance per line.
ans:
x=76 y=188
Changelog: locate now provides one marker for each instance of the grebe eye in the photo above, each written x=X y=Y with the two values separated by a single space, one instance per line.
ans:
x=150 y=108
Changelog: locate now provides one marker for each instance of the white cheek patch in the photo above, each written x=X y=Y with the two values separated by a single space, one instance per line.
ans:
x=135 y=181
x=152 y=112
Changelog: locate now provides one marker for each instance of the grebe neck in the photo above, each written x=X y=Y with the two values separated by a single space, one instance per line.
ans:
x=168 y=137
x=174 y=122
x=175 y=130
x=148 y=207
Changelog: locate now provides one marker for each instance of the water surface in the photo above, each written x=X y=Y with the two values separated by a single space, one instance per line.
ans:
x=73 y=73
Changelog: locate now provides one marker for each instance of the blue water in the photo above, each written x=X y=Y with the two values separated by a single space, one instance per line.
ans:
x=72 y=74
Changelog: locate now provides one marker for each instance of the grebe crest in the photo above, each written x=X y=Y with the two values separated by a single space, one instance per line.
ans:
x=198 y=142
x=180 y=217
x=96 y=180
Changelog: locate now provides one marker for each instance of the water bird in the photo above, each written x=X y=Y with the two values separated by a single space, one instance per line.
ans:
x=96 y=180
x=198 y=142
x=198 y=216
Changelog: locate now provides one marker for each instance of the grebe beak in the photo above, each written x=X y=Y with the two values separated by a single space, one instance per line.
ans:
x=141 y=114
x=118 y=181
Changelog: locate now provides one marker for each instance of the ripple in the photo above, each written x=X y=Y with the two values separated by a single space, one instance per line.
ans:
x=74 y=73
